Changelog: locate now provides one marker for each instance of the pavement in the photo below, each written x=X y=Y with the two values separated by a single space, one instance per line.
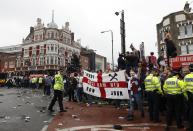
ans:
x=80 y=117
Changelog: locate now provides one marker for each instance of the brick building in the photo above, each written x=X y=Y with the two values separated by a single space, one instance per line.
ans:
x=7 y=62
x=180 y=26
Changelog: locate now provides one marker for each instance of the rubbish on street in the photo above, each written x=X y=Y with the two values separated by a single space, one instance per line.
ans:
x=121 y=118
x=77 y=119
x=74 y=116
x=60 y=124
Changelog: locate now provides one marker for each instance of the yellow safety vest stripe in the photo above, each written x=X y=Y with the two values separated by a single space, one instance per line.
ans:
x=173 y=86
x=188 y=83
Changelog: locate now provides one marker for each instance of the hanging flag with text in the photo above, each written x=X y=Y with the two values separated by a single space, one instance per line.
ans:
x=111 y=86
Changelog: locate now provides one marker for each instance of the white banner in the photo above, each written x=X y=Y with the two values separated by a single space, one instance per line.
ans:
x=112 y=85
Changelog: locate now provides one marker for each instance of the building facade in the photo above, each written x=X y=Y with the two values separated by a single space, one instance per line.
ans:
x=7 y=62
x=47 y=48
x=180 y=26
x=91 y=61
x=100 y=63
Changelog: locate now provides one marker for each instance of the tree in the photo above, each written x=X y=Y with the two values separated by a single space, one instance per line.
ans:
x=74 y=66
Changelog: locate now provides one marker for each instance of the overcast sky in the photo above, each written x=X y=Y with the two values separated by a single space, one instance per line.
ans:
x=87 y=19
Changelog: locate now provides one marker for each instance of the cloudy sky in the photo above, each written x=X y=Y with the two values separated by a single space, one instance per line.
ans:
x=87 y=19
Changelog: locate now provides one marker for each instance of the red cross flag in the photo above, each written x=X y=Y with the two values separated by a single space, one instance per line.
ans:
x=111 y=86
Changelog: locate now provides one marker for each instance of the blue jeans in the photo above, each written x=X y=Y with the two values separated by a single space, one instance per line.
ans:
x=138 y=98
x=79 y=92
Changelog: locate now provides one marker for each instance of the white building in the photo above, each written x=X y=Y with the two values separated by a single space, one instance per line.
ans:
x=47 y=48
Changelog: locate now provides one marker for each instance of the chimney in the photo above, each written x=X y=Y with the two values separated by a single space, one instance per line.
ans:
x=187 y=8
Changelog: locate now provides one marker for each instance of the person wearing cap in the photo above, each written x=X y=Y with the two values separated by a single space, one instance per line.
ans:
x=173 y=88
x=153 y=90
x=58 y=92
x=188 y=88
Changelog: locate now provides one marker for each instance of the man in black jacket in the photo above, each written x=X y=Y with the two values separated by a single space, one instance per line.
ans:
x=171 y=48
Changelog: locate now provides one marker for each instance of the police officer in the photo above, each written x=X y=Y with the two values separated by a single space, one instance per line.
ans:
x=153 y=90
x=58 y=92
x=188 y=88
x=40 y=82
x=173 y=88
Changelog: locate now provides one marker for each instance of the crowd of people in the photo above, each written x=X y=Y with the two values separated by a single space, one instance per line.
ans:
x=168 y=91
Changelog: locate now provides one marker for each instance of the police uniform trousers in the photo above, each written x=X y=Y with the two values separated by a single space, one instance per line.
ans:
x=153 y=103
x=190 y=118
x=174 y=109
x=58 y=95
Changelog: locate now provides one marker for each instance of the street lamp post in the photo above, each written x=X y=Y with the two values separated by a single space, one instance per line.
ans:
x=122 y=30
x=112 y=45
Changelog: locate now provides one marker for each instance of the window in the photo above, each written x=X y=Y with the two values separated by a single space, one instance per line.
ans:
x=189 y=30
x=40 y=37
x=190 y=49
x=65 y=41
x=48 y=48
x=52 y=60
x=11 y=64
x=41 y=60
x=18 y=63
x=5 y=64
x=61 y=61
x=182 y=31
x=48 y=60
x=34 y=51
x=49 y=35
x=37 y=61
x=52 y=35
x=183 y=50
x=41 y=49
x=56 y=48
x=52 y=48
x=26 y=52
x=56 y=62
x=68 y=42
x=36 y=37
x=33 y=61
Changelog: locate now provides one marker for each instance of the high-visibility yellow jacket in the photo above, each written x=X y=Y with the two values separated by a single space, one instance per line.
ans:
x=188 y=83
x=34 y=80
x=173 y=86
x=152 y=83
x=40 y=81
x=59 y=84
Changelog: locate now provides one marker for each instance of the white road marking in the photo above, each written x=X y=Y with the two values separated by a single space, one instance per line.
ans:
x=142 y=126
x=44 y=128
